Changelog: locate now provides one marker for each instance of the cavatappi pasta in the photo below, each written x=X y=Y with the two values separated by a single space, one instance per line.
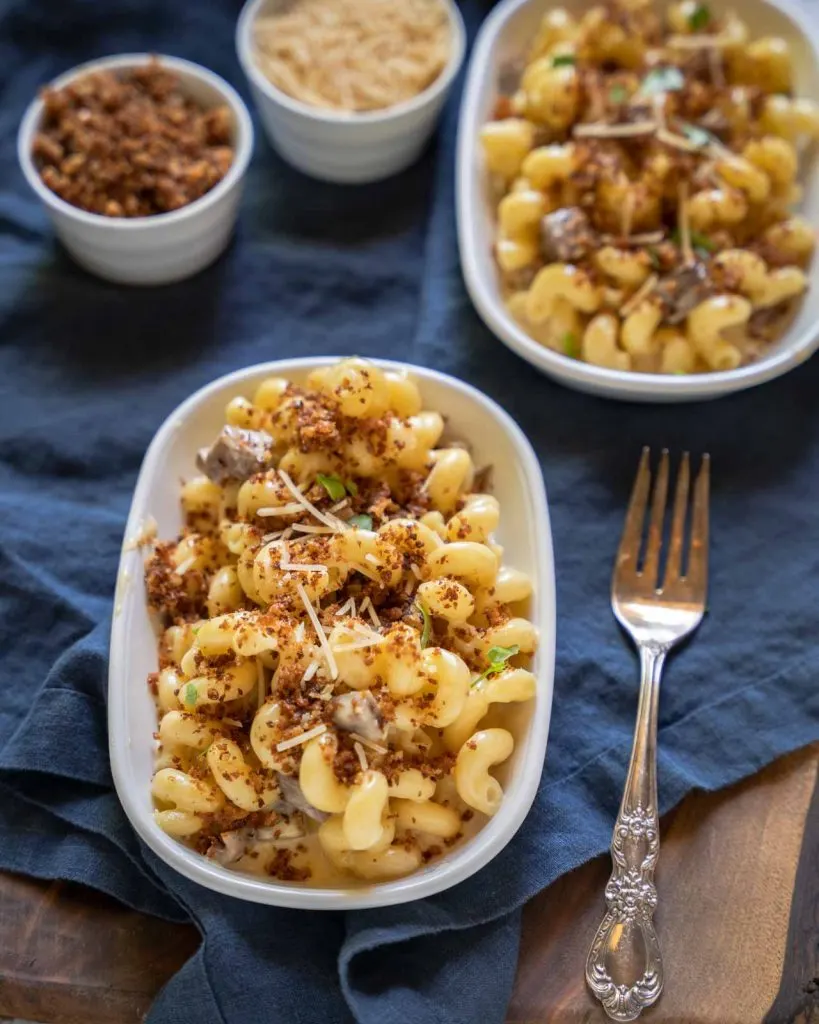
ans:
x=646 y=173
x=337 y=626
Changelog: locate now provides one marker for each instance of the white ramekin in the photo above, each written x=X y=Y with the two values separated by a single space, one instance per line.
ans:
x=527 y=541
x=166 y=247
x=342 y=147
x=504 y=37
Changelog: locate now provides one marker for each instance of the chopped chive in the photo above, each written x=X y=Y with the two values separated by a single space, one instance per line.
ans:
x=498 y=656
x=189 y=695
x=618 y=93
x=654 y=258
x=333 y=486
x=564 y=60
x=570 y=345
x=701 y=244
x=699 y=18
x=425 y=632
x=661 y=80
x=352 y=487
x=361 y=522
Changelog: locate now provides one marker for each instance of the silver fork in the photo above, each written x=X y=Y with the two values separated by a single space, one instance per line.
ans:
x=624 y=968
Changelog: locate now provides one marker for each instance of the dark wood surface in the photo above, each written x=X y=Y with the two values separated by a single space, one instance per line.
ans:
x=738 y=919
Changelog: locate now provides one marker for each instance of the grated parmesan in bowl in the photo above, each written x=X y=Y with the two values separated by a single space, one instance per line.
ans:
x=350 y=90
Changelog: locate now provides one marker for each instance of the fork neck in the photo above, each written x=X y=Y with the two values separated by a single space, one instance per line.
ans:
x=641 y=786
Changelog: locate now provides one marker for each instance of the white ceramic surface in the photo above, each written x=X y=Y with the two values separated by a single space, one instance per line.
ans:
x=525 y=535
x=169 y=246
x=505 y=36
x=340 y=147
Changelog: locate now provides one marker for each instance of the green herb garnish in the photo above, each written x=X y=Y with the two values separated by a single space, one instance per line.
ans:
x=699 y=18
x=498 y=656
x=333 y=486
x=352 y=487
x=618 y=93
x=661 y=80
x=570 y=345
x=189 y=695
x=425 y=632
x=699 y=136
x=361 y=522
x=653 y=258
x=564 y=60
x=701 y=244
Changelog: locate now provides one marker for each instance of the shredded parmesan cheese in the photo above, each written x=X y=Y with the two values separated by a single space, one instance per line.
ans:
x=614 y=131
x=685 y=228
x=326 y=693
x=658 y=105
x=291 y=509
x=358 y=645
x=362 y=757
x=371 y=559
x=645 y=289
x=362 y=630
x=698 y=42
x=628 y=213
x=305 y=528
x=310 y=671
x=369 y=743
x=335 y=524
x=325 y=647
x=678 y=141
x=416 y=572
x=367 y=607
x=367 y=572
x=348 y=608
x=185 y=566
x=646 y=238
x=303 y=737
x=352 y=55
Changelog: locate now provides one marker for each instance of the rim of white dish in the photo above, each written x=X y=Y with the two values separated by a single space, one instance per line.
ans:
x=186 y=69
x=625 y=385
x=244 y=51
x=498 y=831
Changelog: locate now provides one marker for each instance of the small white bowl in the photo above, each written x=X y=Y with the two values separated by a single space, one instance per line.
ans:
x=348 y=148
x=506 y=36
x=525 y=534
x=168 y=246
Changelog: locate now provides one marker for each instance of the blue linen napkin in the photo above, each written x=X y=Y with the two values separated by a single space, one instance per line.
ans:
x=87 y=373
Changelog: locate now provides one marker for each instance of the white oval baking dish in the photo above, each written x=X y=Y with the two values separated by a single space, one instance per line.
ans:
x=505 y=37
x=525 y=534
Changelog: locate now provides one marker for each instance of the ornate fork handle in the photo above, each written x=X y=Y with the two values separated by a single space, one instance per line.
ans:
x=624 y=968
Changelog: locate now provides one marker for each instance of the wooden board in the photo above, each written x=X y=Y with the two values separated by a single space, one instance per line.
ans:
x=738 y=919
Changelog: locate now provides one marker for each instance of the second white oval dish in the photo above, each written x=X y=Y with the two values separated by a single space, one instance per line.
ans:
x=504 y=38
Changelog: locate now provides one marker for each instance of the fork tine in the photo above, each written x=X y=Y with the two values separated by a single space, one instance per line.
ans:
x=675 y=547
x=629 y=550
x=655 y=527
x=697 y=575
